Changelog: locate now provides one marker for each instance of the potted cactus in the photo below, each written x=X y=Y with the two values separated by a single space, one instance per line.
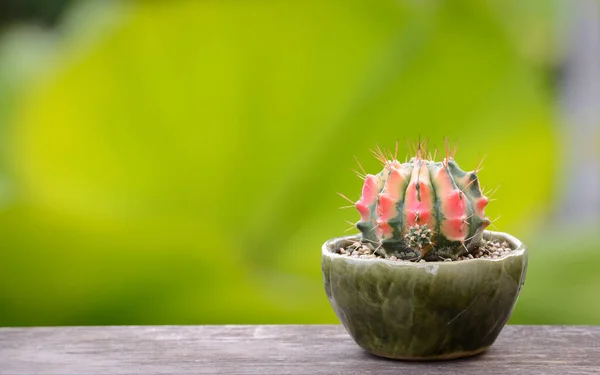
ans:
x=423 y=280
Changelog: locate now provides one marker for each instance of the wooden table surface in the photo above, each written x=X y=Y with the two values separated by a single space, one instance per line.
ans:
x=283 y=349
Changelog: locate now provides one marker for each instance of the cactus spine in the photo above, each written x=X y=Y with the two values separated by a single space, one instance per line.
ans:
x=422 y=209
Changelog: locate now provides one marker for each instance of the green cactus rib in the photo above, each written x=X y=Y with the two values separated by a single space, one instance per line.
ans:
x=422 y=209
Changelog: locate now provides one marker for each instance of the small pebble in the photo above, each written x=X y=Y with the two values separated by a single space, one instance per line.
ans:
x=487 y=250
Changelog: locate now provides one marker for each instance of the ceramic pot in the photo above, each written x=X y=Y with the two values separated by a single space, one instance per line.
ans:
x=424 y=311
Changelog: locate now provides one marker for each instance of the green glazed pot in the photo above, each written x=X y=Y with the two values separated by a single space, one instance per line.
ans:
x=424 y=311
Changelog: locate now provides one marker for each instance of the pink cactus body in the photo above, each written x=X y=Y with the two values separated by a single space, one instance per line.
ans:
x=422 y=209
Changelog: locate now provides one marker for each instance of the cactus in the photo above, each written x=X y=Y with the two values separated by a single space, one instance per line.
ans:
x=422 y=209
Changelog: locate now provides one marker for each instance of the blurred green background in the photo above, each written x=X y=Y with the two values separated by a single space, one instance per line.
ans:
x=177 y=162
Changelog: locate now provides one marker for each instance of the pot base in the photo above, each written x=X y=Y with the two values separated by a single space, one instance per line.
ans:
x=433 y=358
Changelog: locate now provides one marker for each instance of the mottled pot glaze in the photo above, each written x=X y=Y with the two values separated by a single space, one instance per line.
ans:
x=424 y=311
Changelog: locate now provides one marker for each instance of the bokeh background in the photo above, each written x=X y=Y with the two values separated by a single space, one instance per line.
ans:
x=177 y=162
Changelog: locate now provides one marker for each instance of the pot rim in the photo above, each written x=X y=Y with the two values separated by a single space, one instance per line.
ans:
x=519 y=250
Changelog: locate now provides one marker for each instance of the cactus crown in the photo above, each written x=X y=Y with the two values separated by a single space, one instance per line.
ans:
x=422 y=209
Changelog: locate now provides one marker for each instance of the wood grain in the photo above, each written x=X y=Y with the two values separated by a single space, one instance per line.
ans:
x=269 y=350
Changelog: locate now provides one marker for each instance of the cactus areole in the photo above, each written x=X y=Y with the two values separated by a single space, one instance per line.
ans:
x=422 y=209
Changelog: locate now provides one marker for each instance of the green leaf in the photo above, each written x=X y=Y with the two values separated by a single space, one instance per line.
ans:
x=182 y=168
